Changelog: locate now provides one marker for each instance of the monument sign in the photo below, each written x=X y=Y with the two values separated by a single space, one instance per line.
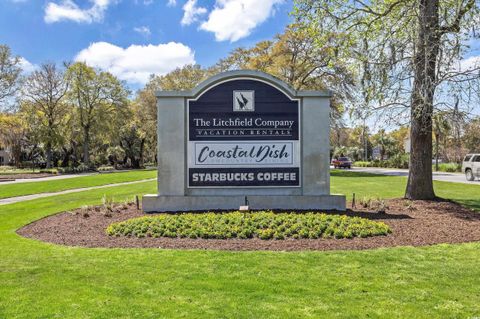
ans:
x=243 y=134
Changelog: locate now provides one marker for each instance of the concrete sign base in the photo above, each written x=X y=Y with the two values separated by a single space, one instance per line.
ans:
x=152 y=203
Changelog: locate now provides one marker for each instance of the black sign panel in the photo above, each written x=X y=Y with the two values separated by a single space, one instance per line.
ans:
x=243 y=177
x=213 y=117
x=243 y=133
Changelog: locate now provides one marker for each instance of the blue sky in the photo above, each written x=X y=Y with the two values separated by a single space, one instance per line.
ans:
x=130 y=37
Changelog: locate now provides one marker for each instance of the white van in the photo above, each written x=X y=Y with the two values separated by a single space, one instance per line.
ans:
x=471 y=166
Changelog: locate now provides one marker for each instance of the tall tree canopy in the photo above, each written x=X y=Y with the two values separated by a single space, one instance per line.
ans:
x=403 y=50
x=97 y=97
x=43 y=102
x=10 y=71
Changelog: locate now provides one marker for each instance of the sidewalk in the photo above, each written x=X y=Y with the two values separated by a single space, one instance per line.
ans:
x=18 y=199
x=437 y=176
x=48 y=178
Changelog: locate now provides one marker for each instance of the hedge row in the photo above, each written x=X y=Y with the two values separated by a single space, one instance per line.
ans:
x=263 y=225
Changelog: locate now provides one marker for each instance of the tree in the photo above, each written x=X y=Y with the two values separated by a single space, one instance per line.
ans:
x=471 y=136
x=10 y=71
x=385 y=142
x=97 y=97
x=13 y=131
x=144 y=107
x=295 y=58
x=441 y=127
x=43 y=93
x=404 y=50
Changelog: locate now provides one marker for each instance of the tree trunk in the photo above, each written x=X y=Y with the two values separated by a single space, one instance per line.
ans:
x=142 y=149
x=420 y=184
x=436 y=152
x=49 y=154
x=86 y=142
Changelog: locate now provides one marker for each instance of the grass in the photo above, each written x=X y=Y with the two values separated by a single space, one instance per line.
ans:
x=382 y=186
x=39 y=280
x=20 y=189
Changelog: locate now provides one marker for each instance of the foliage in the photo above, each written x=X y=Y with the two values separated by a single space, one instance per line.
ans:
x=396 y=161
x=404 y=51
x=472 y=136
x=44 y=106
x=401 y=161
x=98 y=98
x=374 y=203
x=10 y=70
x=263 y=225
x=13 y=134
x=449 y=167
x=105 y=168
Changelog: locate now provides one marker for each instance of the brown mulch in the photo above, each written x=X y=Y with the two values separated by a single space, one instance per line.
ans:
x=9 y=177
x=420 y=224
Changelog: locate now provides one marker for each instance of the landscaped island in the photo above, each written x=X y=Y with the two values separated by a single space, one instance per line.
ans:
x=263 y=225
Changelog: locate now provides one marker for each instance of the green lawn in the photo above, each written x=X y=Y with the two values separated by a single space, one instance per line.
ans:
x=39 y=280
x=12 y=190
x=370 y=185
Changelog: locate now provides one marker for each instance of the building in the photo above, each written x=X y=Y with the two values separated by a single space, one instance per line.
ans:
x=5 y=155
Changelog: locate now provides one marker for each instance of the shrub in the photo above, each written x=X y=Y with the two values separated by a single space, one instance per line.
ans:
x=448 y=167
x=264 y=225
x=105 y=168
x=396 y=161
x=69 y=170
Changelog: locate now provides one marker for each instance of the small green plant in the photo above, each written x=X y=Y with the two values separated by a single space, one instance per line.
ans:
x=108 y=205
x=381 y=206
x=264 y=225
x=365 y=201
x=409 y=205
x=84 y=211
x=377 y=204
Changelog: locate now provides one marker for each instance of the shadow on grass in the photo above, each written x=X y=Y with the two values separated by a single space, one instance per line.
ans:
x=348 y=212
x=346 y=173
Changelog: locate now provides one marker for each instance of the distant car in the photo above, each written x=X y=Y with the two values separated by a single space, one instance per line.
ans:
x=340 y=162
x=471 y=166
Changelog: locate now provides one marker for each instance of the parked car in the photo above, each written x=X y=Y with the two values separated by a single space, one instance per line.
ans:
x=471 y=166
x=340 y=162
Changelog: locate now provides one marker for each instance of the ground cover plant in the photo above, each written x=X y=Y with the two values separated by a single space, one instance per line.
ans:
x=263 y=225
x=40 y=280
x=27 y=188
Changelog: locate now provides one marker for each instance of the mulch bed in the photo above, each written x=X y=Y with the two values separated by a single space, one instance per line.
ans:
x=420 y=224
x=9 y=177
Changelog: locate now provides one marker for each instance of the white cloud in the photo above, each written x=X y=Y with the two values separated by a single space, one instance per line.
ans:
x=27 y=66
x=136 y=63
x=235 y=19
x=470 y=64
x=171 y=3
x=69 y=10
x=145 y=31
x=191 y=12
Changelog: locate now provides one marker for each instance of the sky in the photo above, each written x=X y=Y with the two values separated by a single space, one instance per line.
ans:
x=135 y=38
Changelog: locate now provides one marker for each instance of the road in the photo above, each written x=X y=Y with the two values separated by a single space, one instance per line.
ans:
x=437 y=176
